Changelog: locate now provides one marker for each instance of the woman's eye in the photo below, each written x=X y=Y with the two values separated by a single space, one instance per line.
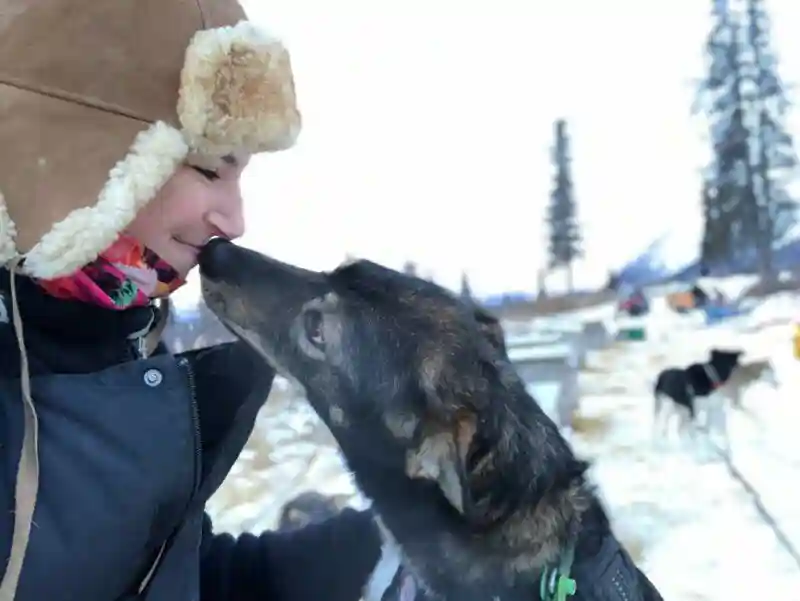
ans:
x=312 y=325
x=209 y=174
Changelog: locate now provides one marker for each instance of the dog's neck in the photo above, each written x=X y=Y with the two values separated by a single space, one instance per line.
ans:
x=404 y=574
x=476 y=509
x=441 y=551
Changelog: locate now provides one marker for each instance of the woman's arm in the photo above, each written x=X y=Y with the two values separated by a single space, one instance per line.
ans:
x=331 y=560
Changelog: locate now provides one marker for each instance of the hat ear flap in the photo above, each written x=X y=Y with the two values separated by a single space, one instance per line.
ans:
x=237 y=92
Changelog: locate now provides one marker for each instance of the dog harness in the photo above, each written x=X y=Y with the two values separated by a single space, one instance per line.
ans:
x=713 y=376
x=611 y=575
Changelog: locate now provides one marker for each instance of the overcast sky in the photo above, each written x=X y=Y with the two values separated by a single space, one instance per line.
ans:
x=428 y=126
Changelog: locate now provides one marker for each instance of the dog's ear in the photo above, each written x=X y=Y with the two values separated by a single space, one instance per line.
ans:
x=490 y=327
x=452 y=443
x=442 y=457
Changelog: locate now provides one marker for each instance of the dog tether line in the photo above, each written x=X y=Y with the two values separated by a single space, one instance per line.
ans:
x=765 y=515
x=555 y=583
x=763 y=512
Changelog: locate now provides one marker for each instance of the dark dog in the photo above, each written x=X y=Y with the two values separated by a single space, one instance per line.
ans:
x=476 y=493
x=688 y=386
x=308 y=507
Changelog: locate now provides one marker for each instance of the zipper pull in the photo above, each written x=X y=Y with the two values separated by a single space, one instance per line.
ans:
x=141 y=347
x=140 y=340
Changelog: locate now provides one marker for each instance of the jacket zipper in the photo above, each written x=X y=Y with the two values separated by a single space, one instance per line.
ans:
x=139 y=352
x=186 y=365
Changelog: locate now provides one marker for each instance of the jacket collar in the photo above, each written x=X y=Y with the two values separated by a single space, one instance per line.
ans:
x=68 y=336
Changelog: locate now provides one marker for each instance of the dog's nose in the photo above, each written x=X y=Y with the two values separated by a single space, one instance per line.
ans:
x=216 y=258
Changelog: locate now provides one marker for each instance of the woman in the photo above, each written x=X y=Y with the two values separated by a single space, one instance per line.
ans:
x=124 y=130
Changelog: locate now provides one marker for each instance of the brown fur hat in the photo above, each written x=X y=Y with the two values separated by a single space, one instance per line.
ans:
x=100 y=103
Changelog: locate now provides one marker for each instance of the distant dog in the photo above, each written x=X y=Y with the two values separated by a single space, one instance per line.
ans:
x=476 y=494
x=308 y=507
x=691 y=390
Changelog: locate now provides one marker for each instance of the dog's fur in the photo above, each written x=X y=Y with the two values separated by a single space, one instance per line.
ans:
x=309 y=507
x=474 y=490
x=688 y=386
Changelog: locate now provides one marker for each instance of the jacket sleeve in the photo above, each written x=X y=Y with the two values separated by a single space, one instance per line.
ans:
x=331 y=560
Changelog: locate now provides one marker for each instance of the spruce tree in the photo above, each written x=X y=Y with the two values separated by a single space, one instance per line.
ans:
x=562 y=219
x=466 y=289
x=746 y=205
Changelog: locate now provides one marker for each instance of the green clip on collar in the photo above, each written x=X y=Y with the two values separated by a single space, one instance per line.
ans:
x=555 y=584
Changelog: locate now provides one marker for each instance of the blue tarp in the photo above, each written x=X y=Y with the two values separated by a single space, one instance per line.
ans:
x=716 y=313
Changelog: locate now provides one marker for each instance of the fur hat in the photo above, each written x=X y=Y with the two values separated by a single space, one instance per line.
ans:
x=101 y=102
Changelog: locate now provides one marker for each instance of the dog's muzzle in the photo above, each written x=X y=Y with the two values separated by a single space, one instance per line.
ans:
x=216 y=258
x=265 y=285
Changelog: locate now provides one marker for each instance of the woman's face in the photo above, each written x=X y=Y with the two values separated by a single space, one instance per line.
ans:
x=194 y=205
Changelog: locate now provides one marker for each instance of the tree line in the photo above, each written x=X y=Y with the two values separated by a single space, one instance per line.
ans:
x=744 y=198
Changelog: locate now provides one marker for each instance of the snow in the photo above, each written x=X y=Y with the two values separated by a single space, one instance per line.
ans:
x=556 y=352
x=696 y=529
x=690 y=526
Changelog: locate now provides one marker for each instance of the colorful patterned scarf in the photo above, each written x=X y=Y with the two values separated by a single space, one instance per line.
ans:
x=126 y=275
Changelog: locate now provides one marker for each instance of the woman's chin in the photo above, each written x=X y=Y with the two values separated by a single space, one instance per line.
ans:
x=183 y=260
x=184 y=269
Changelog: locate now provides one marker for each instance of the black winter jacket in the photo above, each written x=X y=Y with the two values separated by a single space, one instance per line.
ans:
x=130 y=449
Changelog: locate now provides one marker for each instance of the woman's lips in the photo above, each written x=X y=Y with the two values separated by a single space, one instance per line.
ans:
x=195 y=247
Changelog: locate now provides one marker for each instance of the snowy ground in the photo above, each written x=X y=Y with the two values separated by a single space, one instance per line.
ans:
x=692 y=528
x=696 y=528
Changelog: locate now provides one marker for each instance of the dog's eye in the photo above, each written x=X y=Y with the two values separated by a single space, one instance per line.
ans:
x=312 y=324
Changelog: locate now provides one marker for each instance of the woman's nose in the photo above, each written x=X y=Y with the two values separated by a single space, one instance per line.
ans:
x=228 y=223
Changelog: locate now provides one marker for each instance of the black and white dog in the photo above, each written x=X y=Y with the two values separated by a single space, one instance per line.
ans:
x=692 y=390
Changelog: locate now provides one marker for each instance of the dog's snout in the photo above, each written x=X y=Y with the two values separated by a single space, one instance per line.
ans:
x=216 y=258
